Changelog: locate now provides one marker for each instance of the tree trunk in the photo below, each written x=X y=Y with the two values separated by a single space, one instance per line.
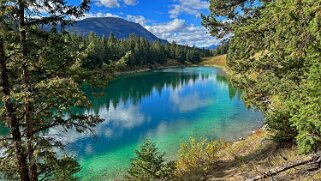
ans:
x=28 y=95
x=14 y=123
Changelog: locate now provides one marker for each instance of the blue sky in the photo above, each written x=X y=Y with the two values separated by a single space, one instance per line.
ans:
x=173 y=20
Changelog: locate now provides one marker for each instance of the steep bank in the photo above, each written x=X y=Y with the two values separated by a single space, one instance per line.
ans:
x=256 y=155
x=252 y=156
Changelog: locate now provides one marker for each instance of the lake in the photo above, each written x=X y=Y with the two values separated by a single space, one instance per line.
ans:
x=167 y=106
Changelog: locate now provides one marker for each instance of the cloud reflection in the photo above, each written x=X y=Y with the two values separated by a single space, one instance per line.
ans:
x=116 y=120
x=122 y=116
x=193 y=100
x=190 y=102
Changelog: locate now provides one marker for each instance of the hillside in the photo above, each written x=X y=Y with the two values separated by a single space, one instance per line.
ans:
x=217 y=61
x=106 y=25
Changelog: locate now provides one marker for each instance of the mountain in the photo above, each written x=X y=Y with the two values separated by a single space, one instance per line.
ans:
x=106 y=25
x=212 y=47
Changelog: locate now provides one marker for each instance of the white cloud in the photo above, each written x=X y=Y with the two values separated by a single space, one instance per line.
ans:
x=137 y=19
x=194 y=36
x=108 y=3
x=130 y=2
x=177 y=30
x=169 y=27
x=116 y=3
x=191 y=7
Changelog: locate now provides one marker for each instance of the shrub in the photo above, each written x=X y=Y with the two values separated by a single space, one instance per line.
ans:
x=279 y=125
x=149 y=164
x=195 y=156
x=306 y=111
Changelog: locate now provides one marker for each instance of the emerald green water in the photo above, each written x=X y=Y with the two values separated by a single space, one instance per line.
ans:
x=167 y=106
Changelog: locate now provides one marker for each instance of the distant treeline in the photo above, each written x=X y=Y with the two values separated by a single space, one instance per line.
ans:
x=100 y=50
x=221 y=49
x=113 y=94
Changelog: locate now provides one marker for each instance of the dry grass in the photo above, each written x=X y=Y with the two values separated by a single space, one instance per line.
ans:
x=236 y=161
x=256 y=155
x=218 y=61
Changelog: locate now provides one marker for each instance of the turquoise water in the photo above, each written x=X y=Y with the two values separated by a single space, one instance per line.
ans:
x=167 y=106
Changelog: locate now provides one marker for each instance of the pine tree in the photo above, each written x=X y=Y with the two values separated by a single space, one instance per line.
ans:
x=41 y=73
x=279 y=41
x=150 y=164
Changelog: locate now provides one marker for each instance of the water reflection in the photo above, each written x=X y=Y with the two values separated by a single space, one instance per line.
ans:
x=135 y=105
x=166 y=106
x=134 y=88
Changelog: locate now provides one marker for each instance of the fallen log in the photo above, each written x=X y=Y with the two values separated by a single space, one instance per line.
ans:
x=313 y=159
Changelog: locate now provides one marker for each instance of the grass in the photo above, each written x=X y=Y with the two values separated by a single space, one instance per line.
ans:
x=251 y=157
x=242 y=159
x=217 y=61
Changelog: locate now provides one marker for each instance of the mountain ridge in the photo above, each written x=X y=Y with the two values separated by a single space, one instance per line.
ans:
x=121 y=28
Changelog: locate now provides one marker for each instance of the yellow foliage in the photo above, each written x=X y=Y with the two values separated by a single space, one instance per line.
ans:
x=253 y=76
x=194 y=153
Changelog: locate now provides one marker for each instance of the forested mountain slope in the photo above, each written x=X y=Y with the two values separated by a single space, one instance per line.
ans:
x=106 y=25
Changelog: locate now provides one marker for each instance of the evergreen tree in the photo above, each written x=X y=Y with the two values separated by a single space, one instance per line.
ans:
x=150 y=164
x=41 y=72
x=279 y=42
x=143 y=52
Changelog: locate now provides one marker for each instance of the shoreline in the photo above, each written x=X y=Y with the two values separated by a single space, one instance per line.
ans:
x=238 y=160
x=224 y=68
x=247 y=137
x=146 y=69
x=159 y=67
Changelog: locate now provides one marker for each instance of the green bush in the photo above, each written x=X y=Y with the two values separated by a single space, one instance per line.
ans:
x=149 y=164
x=195 y=156
x=306 y=111
x=278 y=121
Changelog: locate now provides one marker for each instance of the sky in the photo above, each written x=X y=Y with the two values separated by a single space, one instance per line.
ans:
x=172 y=20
